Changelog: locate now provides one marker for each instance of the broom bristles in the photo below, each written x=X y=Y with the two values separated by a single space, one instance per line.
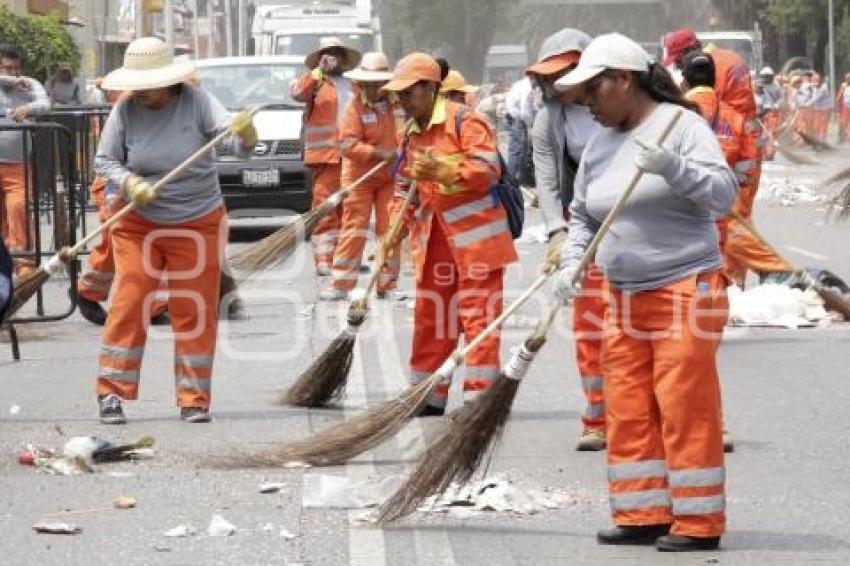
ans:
x=342 y=442
x=25 y=288
x=793 y=156
x=840 y=206
x=839 y=176
x=817 y=144
x=834 y=300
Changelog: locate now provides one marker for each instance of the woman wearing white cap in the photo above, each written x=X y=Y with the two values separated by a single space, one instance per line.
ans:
x=667 y=306
x=367 y=136
x=178 y=231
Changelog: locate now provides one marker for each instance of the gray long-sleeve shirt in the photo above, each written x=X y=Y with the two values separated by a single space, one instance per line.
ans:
x=667 y=230
x=11 y=97
x=150 y=143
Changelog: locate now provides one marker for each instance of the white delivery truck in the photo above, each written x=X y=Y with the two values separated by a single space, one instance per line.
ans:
x=297 y=27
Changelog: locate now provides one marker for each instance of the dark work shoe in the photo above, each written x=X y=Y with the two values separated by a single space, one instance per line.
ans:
x=681 y=543
x=194 y=415
x=161 y=319
x=111 y=409
x=431 y=411
x=628 y=534
x=365 y=269
x=91 y=310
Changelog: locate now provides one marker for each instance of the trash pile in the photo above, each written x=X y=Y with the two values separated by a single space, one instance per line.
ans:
x=776 y=306
x=790 y=193
x=80 y=454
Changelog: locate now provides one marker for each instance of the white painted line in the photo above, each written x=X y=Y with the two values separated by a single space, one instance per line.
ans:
x=432 y=547
x=806 y=253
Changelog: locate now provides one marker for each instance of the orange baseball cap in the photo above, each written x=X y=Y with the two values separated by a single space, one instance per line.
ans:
x=412 y=69
x=554 y=64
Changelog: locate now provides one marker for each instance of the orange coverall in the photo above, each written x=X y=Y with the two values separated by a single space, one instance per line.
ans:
x=843 y=112
x=461 y=244
x=13 y=199
x=365 y=128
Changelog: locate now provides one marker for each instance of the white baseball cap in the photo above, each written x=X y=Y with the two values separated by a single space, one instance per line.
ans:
x=609 y=51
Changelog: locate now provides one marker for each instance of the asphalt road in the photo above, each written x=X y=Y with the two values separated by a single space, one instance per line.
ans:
x=785 y=393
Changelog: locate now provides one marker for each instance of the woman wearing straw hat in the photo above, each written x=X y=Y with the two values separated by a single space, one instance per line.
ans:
x=667 y=305
x=367 y=137
x=326 y=92
x=178 y=232
x=456 y=89
x=459 y=234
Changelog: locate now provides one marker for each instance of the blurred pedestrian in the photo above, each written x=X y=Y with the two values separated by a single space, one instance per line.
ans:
x=63 y=88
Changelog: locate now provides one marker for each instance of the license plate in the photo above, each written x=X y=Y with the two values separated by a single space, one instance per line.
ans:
x=260 y=177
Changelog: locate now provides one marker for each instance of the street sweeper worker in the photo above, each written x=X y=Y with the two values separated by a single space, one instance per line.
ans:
x=326 y=92
x=560 y=133
x=459 y=233
x=180 y=230
x=456 y=89
x=368 y=136
x=21 y=98
x=771 y=109
x=842 y=109
x=667 y=304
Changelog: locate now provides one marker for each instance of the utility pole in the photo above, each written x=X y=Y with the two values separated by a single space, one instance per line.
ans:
x=168 y=16
x=228 y=28
x=831 y=49
x=196 y=45
x=240 y=19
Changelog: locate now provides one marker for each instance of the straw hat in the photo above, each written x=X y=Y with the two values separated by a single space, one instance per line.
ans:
x=374 y=68
x=352 y=56
x=148 y=63
x=455 y=81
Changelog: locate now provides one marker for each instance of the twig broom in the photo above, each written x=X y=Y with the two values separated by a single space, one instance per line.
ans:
x=29 y=285
x=326 y=377
x=477 y=427
x=277 y=246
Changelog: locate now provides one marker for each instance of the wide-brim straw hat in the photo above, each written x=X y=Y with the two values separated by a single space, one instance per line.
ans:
x=352 y=56
x=455 y=81
x=148 y=63
x=374 y=68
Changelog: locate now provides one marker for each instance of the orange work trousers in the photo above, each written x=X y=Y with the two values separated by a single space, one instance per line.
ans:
x=588 y=319
x=820 y=123
x=447 y=306
x=356 y=213
x=662 y=404
x=94 y=284
x=13 y=215
x=326 y=179
x=844 y=125
x=191 y=254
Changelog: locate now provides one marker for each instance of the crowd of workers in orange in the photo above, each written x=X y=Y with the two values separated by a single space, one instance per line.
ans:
x=653 y=400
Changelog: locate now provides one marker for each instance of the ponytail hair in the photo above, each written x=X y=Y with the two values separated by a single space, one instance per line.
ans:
x=661 y=87
x=444 y=68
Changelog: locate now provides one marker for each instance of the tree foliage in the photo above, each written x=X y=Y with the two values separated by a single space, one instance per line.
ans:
x=43 y=42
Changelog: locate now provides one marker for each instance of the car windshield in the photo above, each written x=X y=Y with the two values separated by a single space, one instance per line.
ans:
x=239 y=86
x=302 y=44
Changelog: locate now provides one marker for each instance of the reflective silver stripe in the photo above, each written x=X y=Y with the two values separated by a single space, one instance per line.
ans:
x=341 y=262
x=741 y=177
x=639 y=499
x=470 y=396
x=637 y=470
x=744 y=166
x=188 y=382
x=99 y=274
x=697 y=478
x=320 y=144
x=594 y=410
x=482 y=232
x=319 y=130
x=89 y=286
x=592 y=383
x=490 y=157
x=458 y=213
x=417 y=377
x=393 y=262
x=386 y=278
x=699 y=505
x=340 y=274
x=481 y=373
x=347 y=142
x=121 y=353
x=193 y=361
x=129 y=375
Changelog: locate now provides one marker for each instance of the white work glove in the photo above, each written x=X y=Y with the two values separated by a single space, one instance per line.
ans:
x=654 y=159
x=555 y=250
x=562 y=287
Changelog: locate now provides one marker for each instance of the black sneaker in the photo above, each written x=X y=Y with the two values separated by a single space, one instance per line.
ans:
x=111 y=410
x=628 y=534
x=161 y=319
x=194 y=415
x=681 y=543
x=91 y=310
x=364 y=269
x=431 y=411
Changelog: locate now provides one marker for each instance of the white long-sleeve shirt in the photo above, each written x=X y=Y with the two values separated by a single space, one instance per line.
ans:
x=11 y=97
x=519 y=102
x=667 y=231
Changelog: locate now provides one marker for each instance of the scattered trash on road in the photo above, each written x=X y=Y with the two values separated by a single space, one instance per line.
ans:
x=271 y=487
x=57 y=528
x=339 y=492
x=285 y=534
x=220 y=527
x=181 y=531
x=14 y=410
x=776 y=306
x=125 y=502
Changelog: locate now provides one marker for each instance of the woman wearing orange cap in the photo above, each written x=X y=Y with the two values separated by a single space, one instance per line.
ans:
x=459 y=233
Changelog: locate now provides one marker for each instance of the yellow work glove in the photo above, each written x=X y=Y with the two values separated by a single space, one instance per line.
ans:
x=553 y=252
x=242 y=126
x=139 y=191
x=317 y=73
x=442 y=170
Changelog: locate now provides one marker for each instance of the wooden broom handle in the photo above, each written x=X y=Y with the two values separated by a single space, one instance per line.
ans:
x=69 y=253
x=752 y=230
x=389 y=241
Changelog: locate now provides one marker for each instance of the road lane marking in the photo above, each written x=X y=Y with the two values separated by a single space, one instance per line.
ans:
x=806 y=253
